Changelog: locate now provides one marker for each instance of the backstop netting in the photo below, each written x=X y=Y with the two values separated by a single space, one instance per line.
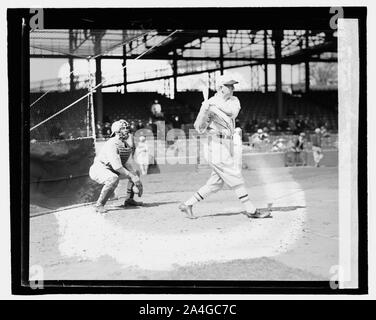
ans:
x=62 y=148
x=47 y=124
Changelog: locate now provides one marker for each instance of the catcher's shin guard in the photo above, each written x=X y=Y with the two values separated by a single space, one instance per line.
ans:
x=107 y=190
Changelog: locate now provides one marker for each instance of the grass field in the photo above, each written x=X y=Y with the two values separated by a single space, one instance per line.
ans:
x=299 y=241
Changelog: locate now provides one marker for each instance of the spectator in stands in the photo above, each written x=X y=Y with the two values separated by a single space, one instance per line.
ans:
x=257 y=139
x=278 y=125
x=308 y=123
x=272 y=125
x=292 y=126
x=285 y=125
x=133 y=127
x=106 y=130
x=324 y=132
x=140 y=125
x=156 y=111
x=299 y=127
x=99 y=129
x=279 y=145
x=156 y=107
x=176 y=122
x=316 y=147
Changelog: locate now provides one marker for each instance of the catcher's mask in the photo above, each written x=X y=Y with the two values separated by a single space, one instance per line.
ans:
x=117 y=127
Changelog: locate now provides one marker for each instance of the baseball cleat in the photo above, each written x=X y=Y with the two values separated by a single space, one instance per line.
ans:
x=187 y=210
x=131 y=203
x=259 y=214
x=100 y=209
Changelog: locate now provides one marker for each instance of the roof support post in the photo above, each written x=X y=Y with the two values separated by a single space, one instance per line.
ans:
x=221 y=52
x=70 y=60
x=124 y=68
x=98 y=93
x=278 y=37
x=266 y=61
x=175 y=72
x=307 y=71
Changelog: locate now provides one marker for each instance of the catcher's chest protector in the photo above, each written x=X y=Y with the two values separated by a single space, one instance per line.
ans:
x=124 y=151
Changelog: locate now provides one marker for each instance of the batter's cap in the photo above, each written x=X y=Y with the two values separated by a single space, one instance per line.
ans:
x=117 y=125
x=226 y=80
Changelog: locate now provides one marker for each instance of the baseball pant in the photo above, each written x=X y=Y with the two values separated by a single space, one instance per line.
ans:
x=219 y=153
x=110 y=180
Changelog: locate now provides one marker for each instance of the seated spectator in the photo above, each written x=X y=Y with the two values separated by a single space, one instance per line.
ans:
x=279 y=145
x=133 y=127
x=258 y=138
x=106 y=132
x=99 y=130
x=140 y=125
x=285 y=125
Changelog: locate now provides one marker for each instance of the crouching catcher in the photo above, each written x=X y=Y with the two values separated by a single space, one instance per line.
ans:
x=111 y=164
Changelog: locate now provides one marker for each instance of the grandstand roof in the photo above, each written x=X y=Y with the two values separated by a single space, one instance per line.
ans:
x=237 y=45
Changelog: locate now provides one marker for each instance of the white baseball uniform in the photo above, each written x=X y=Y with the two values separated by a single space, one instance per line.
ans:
x=113 y=155
x=218 y=124
x=216 y=120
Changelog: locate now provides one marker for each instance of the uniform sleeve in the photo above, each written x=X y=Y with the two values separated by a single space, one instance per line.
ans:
x=202 y=119
x=113 y=157
x=230 y=108
x=235 y=107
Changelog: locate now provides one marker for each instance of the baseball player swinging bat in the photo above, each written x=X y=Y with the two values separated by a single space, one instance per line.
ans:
x=216 y=119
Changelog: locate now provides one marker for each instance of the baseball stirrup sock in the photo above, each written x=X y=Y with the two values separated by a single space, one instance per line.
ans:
x=200 y=195
x=194 y=199
x=242 y=194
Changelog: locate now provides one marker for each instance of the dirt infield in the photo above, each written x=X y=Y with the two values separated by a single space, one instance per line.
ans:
x=299 y=241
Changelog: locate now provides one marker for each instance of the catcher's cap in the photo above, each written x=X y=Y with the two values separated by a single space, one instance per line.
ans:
x=226 y=80
x=118 y=125
x=259 y=131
